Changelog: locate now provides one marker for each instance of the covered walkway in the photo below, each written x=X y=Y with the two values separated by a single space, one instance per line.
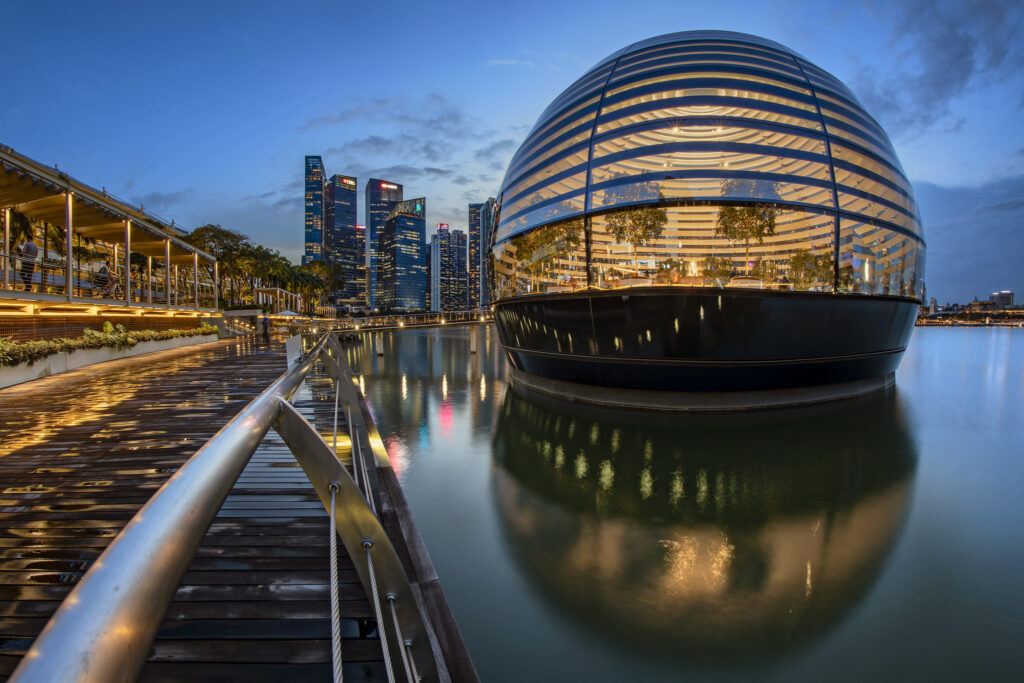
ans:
x=93 y=253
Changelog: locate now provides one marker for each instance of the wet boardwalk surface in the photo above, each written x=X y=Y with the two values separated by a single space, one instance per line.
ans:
x=80 y=453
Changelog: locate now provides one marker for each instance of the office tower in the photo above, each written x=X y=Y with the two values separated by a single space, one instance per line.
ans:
x=428 y=299
x=359 y=287
x=340 y=235
x=448 y=273
x=314 y=209
x=473 y=262
x=381 y=197
x=487 y=213
x=401 y=258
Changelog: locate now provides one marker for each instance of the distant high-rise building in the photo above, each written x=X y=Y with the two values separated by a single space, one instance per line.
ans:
x=448 y=273
x=473 y=259
x=314 y=209
x=359 y=287
x=401 y=258
x=1003 y=299
x=487 y=214
x=341 y=241
x=381 y=198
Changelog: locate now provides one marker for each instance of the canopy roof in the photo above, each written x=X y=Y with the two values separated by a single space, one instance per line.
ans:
x=38 y=191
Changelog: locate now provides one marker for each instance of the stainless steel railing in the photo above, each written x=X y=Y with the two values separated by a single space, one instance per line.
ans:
x=103 y=630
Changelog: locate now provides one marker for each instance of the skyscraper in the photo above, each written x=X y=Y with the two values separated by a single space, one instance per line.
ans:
x=359 y=284
x=314 y=224
x=402 y=271
x=381 y=197
x=448 y=273
x=487 y=213
x=473 y=228
x=341 y=240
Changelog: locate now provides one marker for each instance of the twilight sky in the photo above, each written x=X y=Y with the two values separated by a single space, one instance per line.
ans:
x=203 y=111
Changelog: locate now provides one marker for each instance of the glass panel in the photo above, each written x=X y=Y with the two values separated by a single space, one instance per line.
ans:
x=563 y=165
x=559 y=208
x=695 y=58
x=549 y=259
x=875 y=260
x=694 y=91
x=702 y=187
x=683 y=75
x=733 y=135
x=658 y=109
x=873 y=208
x=759 y=247
x=861 y=159
x=570 y=185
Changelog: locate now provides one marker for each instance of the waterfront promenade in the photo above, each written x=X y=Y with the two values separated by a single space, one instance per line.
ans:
x=81 y=453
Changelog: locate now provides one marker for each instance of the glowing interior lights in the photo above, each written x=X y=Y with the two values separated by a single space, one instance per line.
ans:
x=405 y=387
x=483 y=388
x=444 y=387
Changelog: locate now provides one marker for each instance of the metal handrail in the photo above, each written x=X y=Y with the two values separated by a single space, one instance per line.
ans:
x=104 y=628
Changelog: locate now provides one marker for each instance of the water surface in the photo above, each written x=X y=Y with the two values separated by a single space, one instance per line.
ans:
x=870 y=539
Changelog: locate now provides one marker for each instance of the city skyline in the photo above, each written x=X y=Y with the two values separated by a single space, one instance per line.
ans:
x=167 y=128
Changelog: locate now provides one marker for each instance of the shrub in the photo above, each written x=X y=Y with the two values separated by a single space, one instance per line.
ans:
x=16 y=353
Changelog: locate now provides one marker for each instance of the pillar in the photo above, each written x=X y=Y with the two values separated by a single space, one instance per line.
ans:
x=195 y=277
x=69 y=262
x=149 y=279
x=7 y=248
x=167 y=273
x=216 y=285
x=177 y=299
x=128 y=261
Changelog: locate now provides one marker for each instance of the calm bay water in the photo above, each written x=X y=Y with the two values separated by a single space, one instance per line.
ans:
x=872 y=539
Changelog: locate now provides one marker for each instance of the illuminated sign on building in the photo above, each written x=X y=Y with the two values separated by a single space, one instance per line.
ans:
x=349 y=181
x=442 y=225
x=389 y=186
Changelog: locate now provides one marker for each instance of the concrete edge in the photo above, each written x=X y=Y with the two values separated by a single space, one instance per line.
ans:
x=696 y=402
x=66 y=361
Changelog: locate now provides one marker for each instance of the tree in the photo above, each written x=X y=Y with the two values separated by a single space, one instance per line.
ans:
x=714 y=268
x=637 y=225
x=806 y=268
x=539 y=248
x=748 y=222
x=765 y=269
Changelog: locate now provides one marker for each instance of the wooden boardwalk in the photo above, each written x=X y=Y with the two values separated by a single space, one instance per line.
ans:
x=80 y=453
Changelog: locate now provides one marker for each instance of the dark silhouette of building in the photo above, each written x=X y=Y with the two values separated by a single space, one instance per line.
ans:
x=341 y=237
x=381 y=197
x=402 y=273
x=449 y=275
x=314 y=199
x=487 y=213
x=473 y=259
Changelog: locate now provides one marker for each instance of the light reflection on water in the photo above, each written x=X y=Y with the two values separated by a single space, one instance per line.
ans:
x=870 y=539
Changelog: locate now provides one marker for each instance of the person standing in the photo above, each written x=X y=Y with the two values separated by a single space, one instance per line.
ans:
x=266 y=329
x=29 y=251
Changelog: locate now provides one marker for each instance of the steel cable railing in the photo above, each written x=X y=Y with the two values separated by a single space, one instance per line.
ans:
x=103 y=630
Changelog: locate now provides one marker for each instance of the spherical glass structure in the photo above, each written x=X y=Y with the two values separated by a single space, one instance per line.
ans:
x=698 y=161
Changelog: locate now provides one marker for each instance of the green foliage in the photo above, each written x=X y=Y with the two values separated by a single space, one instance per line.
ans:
x=806 y=268
x=637 y=226
x=539 y=249
x=765 y=269
x=747 y=222
x=15 y=353
x=714 y=268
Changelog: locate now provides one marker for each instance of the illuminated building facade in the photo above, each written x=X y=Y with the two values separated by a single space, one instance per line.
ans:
x=707 y=211
x=473 y=259
x=487 y=213
x=314 y=199
x=448 y=272
x=381 y=197
x=402 y=274
x=340 y=238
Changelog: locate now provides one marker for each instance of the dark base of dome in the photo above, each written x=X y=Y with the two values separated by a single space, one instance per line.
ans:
x=704 y=340
x=697 y=402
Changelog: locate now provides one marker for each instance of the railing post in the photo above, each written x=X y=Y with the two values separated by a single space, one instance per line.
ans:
x=7 y=248
x=69 y=265
x=128 y=261
x=167 y=273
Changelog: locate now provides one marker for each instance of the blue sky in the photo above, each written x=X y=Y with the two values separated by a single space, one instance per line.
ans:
x=203 y=111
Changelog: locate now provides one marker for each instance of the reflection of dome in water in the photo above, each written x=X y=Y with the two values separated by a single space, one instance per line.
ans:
x=702 y=199
x=727 y=541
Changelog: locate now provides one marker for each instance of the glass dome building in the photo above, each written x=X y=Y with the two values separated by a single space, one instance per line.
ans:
x=706 y=212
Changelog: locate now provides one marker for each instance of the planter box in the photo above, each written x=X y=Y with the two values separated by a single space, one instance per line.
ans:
x=71 y=360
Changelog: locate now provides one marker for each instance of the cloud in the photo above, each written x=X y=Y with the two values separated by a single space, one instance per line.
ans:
x=433 y=116
x=509 y=62
x=496 y=155
x=972 y=237
x=402 y=145
x=941 y=50
x=161 y=201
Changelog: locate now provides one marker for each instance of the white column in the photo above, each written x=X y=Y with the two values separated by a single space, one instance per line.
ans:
x=216 y=285
x=177 y=299
x=69 y=265
x=128 y=261
x=167 y=273
x=195 y=277
x=7 y=248
x=149 y=279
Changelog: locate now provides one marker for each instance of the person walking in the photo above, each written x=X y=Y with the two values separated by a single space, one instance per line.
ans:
x=266 y=329
x=29 y=251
